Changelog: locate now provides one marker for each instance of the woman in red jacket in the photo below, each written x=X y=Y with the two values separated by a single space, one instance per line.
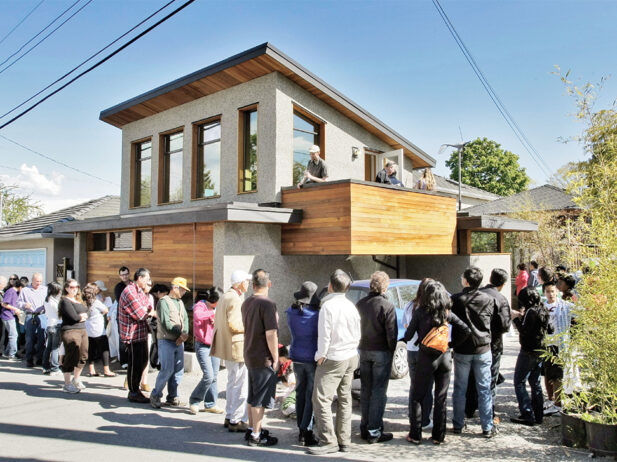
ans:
x=521 y=278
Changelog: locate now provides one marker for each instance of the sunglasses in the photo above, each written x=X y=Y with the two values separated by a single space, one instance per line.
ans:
x=73 y=287
x=12 y=279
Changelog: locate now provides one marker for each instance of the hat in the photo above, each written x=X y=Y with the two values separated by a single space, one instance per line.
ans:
x=180 y=282
x=240 y=276
x=100 y=285
x=314 y=148
x=306 y=294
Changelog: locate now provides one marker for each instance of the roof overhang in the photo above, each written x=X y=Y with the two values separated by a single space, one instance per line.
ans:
x=243 y=67
x=32 y=236
x=231 y=212
x=494 y=223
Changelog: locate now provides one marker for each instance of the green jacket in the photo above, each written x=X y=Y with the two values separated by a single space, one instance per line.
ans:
x=173 y=319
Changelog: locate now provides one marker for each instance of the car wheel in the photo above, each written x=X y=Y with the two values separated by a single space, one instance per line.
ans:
x=400 y=367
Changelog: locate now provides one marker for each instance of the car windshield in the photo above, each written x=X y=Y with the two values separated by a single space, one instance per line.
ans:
x=356 y=293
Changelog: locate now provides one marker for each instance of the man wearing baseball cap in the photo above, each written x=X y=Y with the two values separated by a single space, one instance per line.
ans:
x=172 y=332
x=228 y=344
x=316 y=168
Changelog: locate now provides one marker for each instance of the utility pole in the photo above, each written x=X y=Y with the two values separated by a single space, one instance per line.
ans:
x=459 y=149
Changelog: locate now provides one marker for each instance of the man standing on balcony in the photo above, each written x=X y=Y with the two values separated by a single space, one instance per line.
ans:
x=386 y=172
x=316 y=168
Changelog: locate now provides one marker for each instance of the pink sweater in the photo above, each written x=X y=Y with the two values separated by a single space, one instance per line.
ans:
x=203 y=323
x=521 y=280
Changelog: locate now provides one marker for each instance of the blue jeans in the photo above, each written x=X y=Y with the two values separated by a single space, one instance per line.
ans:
x=11 y=329
x=206 y=390
x=171 y=357
x=427 y=402
x=35 y=339
x=52 y=348
x=528 y=366
x=305 y=377
x=375 y=368
x=481 y=365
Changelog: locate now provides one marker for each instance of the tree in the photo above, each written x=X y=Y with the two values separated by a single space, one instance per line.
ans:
x=563 y=176
x=486 y=166
x=17 y=207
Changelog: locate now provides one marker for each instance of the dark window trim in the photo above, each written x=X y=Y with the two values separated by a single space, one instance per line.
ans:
x=195 y=157
x=243 y=127
x=133 y=171
x=163 y=182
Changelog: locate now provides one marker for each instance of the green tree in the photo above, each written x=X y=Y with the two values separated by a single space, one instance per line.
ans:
x=486 y=166
x=17 y=207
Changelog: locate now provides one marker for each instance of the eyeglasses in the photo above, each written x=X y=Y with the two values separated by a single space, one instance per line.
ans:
x=124 y=274
x=12 y=279
x=73 y=287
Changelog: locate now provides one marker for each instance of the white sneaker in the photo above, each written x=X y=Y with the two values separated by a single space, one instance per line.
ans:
x=79 y=384
x=547 y=404
x=429 y=426
x=194 y=409
x=70 y=388
x=551 y=410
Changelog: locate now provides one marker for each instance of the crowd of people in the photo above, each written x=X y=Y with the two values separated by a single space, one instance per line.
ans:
x=66 y=327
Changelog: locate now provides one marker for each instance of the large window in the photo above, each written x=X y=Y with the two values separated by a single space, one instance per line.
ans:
x=307 y=132
x=208 y=161
x=141 y=182
x=248 y=150
x=170 y=186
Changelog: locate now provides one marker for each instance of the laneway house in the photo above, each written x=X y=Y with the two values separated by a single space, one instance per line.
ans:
x=209 y=164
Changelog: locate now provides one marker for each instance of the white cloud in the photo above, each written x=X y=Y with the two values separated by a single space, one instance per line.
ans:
x=31 y=180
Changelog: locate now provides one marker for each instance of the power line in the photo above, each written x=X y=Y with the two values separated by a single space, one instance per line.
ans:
x=535 y=155
x=85 y=61
x=45 y=38
x=21 y=114
x=21 y=22
x=57 y=161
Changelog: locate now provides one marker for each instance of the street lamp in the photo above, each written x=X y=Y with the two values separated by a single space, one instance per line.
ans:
x=459 y=148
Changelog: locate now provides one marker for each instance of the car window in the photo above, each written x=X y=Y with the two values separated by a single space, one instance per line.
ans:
x=356 y=293
x=393 y=297
x=408 y=293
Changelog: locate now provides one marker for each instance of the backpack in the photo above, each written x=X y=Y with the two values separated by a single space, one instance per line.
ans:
x=435 y=343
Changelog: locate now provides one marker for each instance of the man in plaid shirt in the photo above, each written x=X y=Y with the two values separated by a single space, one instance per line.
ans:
x=133 y=309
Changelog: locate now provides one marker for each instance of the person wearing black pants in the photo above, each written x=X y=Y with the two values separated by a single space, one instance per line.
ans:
x=434 y=311
x=137 y=353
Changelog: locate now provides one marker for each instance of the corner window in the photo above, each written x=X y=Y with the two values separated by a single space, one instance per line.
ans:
x=141 y=184
x=208 y=160
x=122 y=240
x=98 y=242
x=247 y=181
x=484 y=242
x=306 y=132
x=143 y=239
x=171 y=168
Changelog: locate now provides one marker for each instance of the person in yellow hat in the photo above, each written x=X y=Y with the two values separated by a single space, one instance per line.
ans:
x=172 y=332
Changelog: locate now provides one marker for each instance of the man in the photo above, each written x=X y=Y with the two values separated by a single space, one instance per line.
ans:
x=338 y=336
x=260 y=320
x=172 y=330
x=133 y=309
x=125 y=276
x=533 y=274
x=228 y=345
x=379 y=334
x=316 y=168
x=31 y=299
x=475 y=308
x=384 y=175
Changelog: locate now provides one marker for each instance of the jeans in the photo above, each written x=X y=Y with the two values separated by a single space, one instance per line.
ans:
x=206 y=390
x=171 y=357
x=305 y=377
x=375 y=367
x=35 y=340
x=236 y=392
x=528 y=366
x=471 y=401
x=427 y=402
x=52 y=347
x=11 y=329
x=481 y=365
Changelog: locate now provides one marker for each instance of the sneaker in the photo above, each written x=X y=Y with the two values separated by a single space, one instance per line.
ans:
x=175 y=402
x=428 y=426
x=249 y=431
x=380 y=439
x=46 y=371
x=70 y=388
x=213 y=410
x=78 y=383
x=327 y=449
x=194 y=409
x=523 y=421
x=551 y=410
x=265 y=441
x=489 y=433
x=457 y=431
x=237 y=427
x=344 y=448
x=155 y=401
x=548 y=403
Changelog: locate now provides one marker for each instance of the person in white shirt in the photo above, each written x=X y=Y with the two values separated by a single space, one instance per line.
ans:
x=51 y=363
x=338 y=336
x=95 y=328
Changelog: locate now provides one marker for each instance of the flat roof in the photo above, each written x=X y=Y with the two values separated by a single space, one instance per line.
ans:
x=243 y=67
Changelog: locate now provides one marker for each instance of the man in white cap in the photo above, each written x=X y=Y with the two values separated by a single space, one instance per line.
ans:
x=228 y=344
x=316 y=168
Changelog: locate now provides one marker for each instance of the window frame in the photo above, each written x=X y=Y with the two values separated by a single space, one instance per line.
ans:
x=196 y=159
x=112 y=240
x=138 y=247
x=244 y=115
x=163 y=180
x=309 y=117
x=133 y=187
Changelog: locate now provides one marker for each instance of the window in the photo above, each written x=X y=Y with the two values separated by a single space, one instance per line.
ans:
x=208 y=160
x=248 y=150
x=98 y=242
x=141 y=181
x=144 y=239
x=307 y=132
x=484 y=242
x=170 y=186
x=122 y=240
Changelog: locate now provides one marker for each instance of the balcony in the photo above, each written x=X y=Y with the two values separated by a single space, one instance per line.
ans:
x=352 y=217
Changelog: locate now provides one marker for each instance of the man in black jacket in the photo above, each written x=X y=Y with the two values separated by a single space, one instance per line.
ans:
x=379 y=333
x=475 y=308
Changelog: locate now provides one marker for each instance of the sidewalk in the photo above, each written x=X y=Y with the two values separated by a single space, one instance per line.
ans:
x=40 y=422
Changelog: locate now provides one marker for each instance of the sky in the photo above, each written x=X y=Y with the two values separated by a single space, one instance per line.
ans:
x=395 y=58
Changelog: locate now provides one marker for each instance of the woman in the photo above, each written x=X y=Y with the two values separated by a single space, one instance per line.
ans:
x=302 y=318
x=521 y=278
x=51 y=364
x=9 y=316
x=98 y=345
x=434 y=311
x=74 y=336
x=203 y=328
x=412 y=358
x=426 y=181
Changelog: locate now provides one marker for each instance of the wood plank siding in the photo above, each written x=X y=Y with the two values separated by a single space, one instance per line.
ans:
x=181 y=250
x=350 y=218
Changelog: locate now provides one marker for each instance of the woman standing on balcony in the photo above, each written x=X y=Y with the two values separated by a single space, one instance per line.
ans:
x=426 y=181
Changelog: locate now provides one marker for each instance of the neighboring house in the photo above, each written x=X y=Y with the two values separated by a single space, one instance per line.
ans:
x=209 y=167
x=470 y=195
x=33 y=246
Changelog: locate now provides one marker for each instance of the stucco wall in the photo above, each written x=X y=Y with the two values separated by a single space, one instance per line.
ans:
x=55 y=250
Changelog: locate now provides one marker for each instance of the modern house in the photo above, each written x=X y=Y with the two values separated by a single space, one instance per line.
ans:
x=209 y=167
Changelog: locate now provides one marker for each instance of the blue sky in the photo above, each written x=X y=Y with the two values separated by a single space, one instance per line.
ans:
x=394 y=58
